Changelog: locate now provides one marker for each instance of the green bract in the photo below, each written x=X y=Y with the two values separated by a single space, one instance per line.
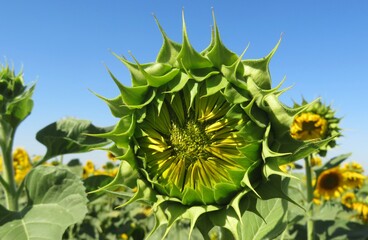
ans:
x=203 y=132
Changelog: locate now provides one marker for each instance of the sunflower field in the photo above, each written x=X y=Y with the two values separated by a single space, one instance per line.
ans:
x=203 y=148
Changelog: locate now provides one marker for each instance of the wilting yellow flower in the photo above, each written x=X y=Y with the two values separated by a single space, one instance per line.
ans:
x=308 y=126
x=330 y=184
x=348 y=199
x=315 y=161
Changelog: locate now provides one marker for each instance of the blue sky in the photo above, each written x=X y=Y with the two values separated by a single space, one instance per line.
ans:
x=65 y=46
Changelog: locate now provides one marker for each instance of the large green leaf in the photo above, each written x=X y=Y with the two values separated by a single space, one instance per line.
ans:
x=70 y=135
x=56 y=200
x=273 y=223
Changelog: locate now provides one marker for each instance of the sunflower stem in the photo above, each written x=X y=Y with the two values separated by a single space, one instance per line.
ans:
x=10 y=187
x=310 y=222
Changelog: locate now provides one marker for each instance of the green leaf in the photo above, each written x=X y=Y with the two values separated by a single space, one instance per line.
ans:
x=95 y=182
x=273 y=223
x=258 y=69
x=70 y=135
x=56 y=200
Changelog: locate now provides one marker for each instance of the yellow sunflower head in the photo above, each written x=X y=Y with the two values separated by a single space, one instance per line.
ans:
x=317 y=121
x=202 y=131
x=330 y=184
x=348 y=199
x=353 y=174
x=21 y=163
x=88 y=169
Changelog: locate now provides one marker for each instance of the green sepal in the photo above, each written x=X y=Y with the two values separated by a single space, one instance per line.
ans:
x=169 y=50
x=214 y=84
x=201 y=74
x=160 y=74
x=188 y=57
x=223 y=192
x=234 y=72
x=256 y=116
x=134 y=97
x=116 y=105
x=266 y=151
x=144 y=194
x=247 y=181
x=136 y=75
x=154 y=71
x=236 y=95
x=272 y=167
x=177 y=83
x=258 y=69
x=121 y=133
x=125 y=178
x=218 y=54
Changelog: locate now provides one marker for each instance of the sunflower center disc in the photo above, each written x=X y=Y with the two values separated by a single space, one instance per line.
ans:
x=190 y=141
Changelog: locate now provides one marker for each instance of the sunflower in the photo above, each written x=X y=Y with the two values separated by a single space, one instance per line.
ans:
x=318 y=121
x=362 y=209
x=330 y=184
x=353 y=174
x=88 y=169
x=315 y=161
x=353 y=179
x=201 y=131
x=308 y=126
x=348 y=199
x=21 y=164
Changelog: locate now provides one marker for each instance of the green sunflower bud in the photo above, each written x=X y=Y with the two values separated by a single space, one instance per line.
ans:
x=11 y=85
x=15 y=98
x=203 y=131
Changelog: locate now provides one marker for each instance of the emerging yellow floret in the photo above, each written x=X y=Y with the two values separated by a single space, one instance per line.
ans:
x=308 y=126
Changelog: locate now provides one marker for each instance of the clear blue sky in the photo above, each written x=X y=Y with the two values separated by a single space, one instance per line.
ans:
x=65 y=46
